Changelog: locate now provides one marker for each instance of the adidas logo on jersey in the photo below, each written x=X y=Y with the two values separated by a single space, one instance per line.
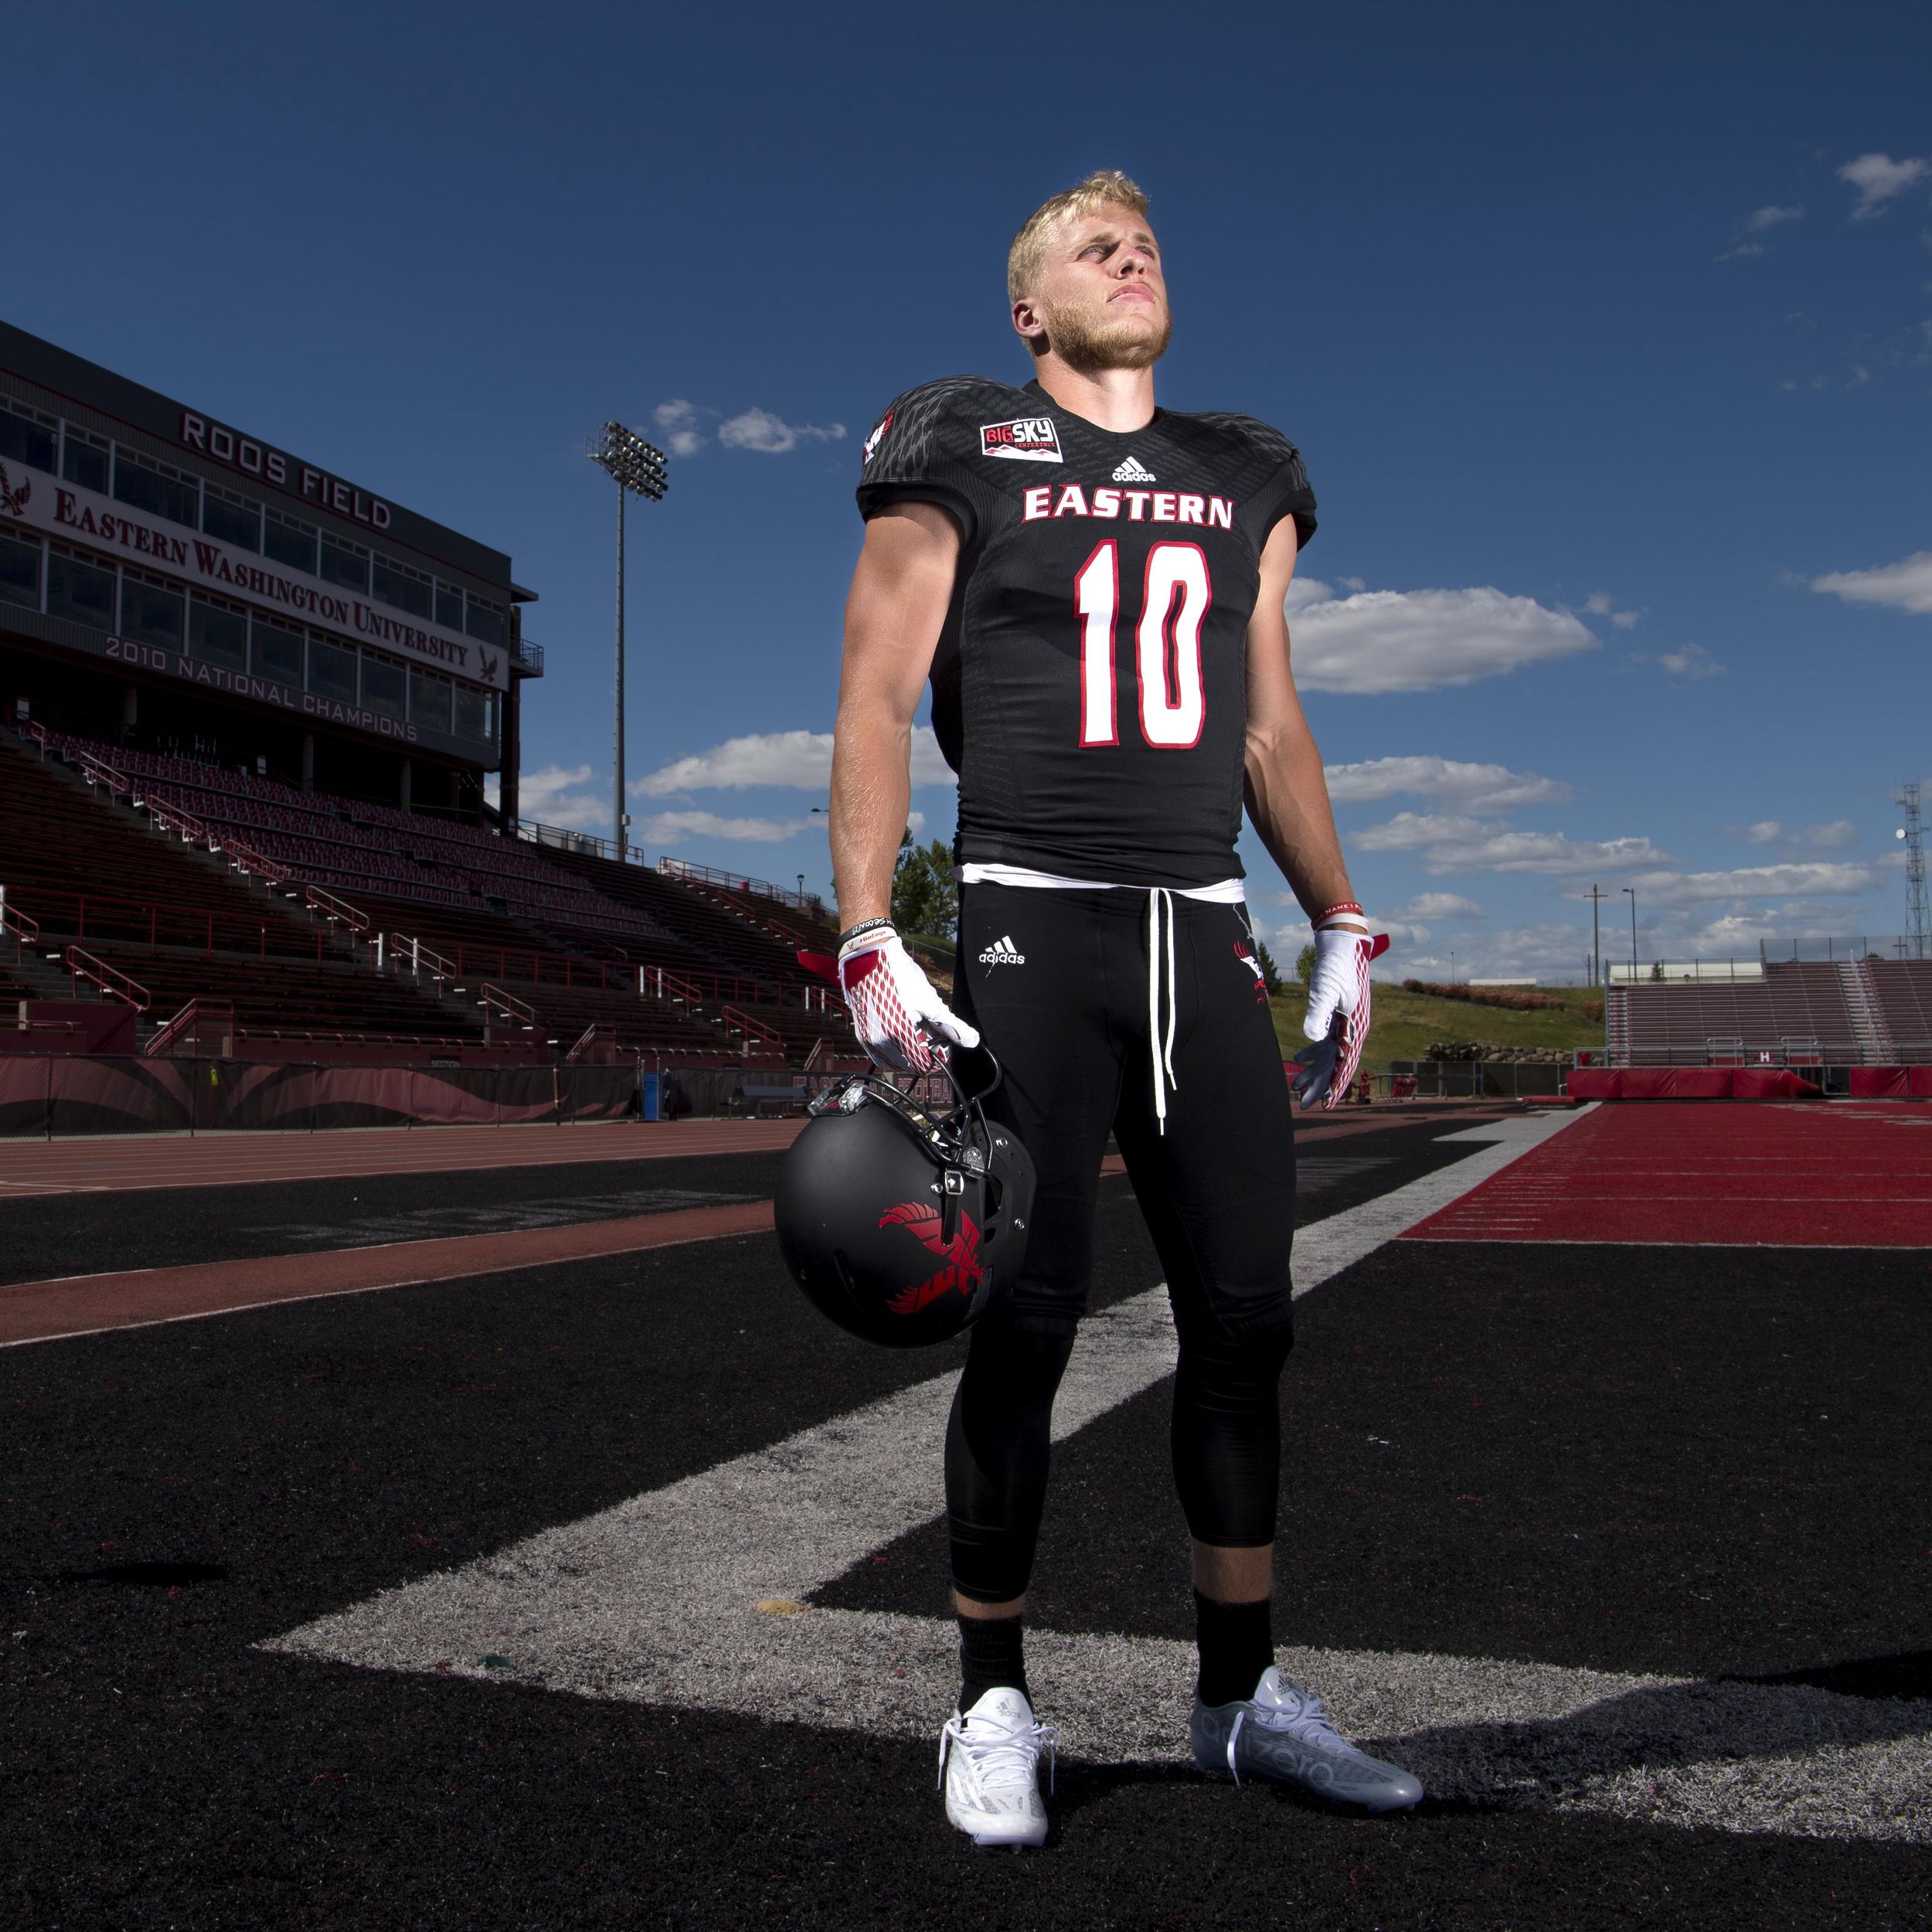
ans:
x=1133 y=471
x=1003 y=952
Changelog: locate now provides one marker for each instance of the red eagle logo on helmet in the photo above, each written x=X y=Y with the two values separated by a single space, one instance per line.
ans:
x=962 y=1272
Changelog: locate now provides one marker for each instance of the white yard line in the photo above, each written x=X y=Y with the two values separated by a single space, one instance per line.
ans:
x=693 y=1595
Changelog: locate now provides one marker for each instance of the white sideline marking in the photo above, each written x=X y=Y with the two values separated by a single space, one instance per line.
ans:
x=652 y=1602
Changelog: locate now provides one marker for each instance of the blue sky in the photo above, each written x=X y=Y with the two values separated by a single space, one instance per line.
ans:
x=1608 y=340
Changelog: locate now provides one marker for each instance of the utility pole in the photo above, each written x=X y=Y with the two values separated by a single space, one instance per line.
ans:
x=1596 y=936
x=1912 y=831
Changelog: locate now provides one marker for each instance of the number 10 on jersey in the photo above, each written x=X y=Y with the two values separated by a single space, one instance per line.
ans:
x=1175 y=599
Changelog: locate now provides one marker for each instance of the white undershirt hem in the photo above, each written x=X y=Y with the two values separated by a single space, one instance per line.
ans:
x=1226 y=892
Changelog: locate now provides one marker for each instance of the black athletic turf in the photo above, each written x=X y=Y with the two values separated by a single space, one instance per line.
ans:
x=1693 y=1461
x=172 y=1494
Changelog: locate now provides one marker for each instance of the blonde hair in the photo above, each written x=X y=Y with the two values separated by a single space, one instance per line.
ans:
x=1105 y=188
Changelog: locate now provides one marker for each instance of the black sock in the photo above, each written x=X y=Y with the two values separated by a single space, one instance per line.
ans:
x=992 y=1657
x=1237 y=1643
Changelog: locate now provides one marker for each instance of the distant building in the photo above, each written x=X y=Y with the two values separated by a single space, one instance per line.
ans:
x=166 y=579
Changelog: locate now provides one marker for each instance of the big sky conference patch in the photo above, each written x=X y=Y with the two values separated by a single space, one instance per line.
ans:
x=1027 y=439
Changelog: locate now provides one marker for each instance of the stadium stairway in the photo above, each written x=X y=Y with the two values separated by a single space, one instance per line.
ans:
x=561 y=956
x=180 y=923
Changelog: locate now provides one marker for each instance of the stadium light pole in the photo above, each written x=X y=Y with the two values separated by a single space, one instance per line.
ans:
x=633 y=465
x=1596 y=936
x=1632 y=892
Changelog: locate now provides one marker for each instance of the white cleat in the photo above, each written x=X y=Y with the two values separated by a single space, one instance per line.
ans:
x=989 y=1764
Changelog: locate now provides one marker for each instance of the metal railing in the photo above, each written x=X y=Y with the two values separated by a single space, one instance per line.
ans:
x=334 y=910
x=246 y=858
x=494 y=1000
x=188 y=1022
x=26 y=932
x=110 y=979
x=185 y=825
x=406 y=955
x=738 y=882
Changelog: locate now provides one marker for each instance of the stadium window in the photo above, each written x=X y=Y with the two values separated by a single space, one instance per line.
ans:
x=383 y=684
x=232 y=518
x=332 y=670
x=156 y=488
x=484 y=621
x=408 y=589
x=20 y=572
x=345 y=563
x=26 y=436
x=78 y=589
x=428 y=700
x=151 y=609
x=275 y=653
x=83 y=458
x=449 y=606
x=217 y=632
x=472 y=714
x=287 y=540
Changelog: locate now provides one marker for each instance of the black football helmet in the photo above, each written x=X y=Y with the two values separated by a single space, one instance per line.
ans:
x=902 y=1225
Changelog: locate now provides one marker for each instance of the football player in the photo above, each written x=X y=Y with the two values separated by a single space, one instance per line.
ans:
x=1094 y=586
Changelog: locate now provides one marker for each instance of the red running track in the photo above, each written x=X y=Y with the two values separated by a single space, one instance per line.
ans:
x=1846 y=1175
x=104 y=1163
x=95 y=1165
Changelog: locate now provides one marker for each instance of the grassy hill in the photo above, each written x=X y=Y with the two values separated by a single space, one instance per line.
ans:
x=1404 y=1023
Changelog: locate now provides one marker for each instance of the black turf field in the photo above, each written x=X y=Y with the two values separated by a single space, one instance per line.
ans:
x=1689 y=1462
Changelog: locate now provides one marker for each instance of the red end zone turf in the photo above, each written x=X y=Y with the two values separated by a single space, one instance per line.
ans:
x=1857 y=1176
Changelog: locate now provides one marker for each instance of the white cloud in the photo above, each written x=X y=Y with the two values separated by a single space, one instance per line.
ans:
x=1441 y=906
x=1450 y=843
x=1763 y=833
x=1760 y=221
x=668 y=827
x=1692 y=661
x=795 y=760
x=556 y=796
x=1384 y=641
x=1827 y=879
x=758 y=429
x=1476 y=786
x=1835 y=837
x=677 y=422
x=1904 y=586
x=1601 y=603
x=1876 y=178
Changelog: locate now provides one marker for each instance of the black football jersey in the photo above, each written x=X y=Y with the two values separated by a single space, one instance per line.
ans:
x=1089 y=687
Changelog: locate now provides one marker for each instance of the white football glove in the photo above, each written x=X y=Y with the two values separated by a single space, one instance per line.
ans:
x=1339 y=1012
x=896 y=1012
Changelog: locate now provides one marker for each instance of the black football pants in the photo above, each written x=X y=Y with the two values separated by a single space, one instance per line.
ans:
x=1058 y=983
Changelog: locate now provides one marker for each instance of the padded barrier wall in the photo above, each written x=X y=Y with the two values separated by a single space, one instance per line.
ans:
x=1689 y=1083
x=1892 y=1082
x=79 y=1094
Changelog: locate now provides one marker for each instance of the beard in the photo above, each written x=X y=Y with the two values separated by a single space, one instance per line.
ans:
x=1091 y=342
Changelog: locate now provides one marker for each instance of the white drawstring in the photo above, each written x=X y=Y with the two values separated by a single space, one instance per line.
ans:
x=1160 y=1041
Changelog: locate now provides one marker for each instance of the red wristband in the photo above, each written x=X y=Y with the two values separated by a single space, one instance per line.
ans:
x=1346 y=905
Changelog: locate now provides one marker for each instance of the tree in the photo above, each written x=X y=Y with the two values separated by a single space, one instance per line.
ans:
x=925 y=900
x=1304 y=963
x=1270 y=973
